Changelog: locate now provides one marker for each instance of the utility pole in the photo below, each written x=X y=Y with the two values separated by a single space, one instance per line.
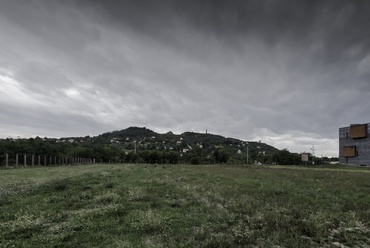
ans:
x=247 y=153
x=313 y=154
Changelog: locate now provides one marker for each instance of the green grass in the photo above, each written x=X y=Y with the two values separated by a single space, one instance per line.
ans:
x=185 y=206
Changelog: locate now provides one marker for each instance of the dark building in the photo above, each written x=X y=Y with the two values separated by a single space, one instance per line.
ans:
x=354 y=144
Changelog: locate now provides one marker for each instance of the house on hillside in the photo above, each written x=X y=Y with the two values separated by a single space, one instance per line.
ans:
x=354 y=144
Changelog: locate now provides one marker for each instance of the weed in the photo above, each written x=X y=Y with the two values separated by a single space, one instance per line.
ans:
x=59 y=184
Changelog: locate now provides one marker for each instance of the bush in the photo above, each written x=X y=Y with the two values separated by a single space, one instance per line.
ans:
x=195 y=160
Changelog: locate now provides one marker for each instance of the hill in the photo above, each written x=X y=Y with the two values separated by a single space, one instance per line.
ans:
x=139 y=144
x=186 y=144
x=147 y=138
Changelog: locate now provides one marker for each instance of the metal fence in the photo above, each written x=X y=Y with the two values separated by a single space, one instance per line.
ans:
x=25 y=160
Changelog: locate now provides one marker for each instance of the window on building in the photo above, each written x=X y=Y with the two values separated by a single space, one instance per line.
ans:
x=359 y=131
x=349 y=151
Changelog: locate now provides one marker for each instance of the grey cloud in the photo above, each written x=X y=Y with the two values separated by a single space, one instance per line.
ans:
x=288 y=72
x=342 y=21
x=42 y=78
x=22 y=121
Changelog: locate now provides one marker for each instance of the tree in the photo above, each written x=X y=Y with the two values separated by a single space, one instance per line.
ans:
x=131 y=157
x=194 y=160
x=221 y=156
x=284 y=157
x=173 y=157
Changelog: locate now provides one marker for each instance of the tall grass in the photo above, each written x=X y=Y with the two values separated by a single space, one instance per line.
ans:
x=184 y=206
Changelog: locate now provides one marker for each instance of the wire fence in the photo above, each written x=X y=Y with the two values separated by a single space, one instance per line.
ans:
x=25 y=160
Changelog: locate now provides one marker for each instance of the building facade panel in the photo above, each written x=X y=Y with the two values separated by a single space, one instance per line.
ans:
x=359 y=131
x=354 y=145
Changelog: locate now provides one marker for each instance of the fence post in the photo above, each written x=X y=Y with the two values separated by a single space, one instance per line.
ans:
x=33 y=160
x=44 y=160
x=16 y=160
x=25 y=160
x=39 y=160
x=7 y=159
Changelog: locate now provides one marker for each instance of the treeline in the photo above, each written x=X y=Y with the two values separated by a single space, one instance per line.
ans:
x=114 y=153
x=142 y=145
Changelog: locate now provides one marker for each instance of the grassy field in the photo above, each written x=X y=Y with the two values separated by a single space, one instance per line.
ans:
x=184 y=206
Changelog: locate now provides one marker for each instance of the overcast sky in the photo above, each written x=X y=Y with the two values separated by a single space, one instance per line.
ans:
x=288 y=73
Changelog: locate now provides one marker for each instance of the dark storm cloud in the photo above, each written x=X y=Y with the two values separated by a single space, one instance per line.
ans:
x=286 y=72
x=338 y=24
x=315 y=37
